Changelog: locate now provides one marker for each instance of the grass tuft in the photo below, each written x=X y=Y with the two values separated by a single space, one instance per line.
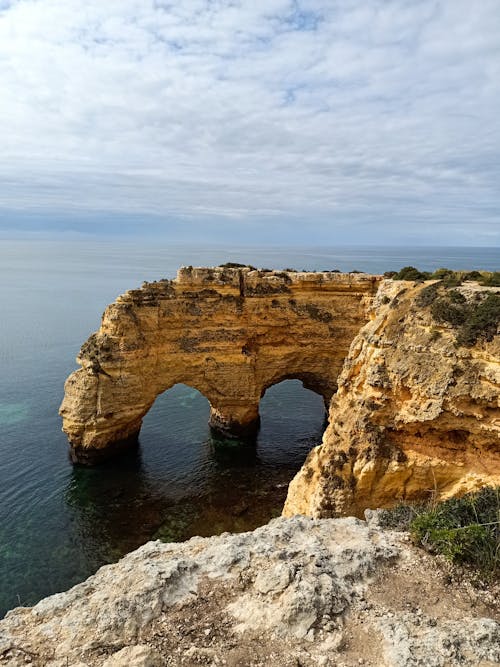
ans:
x=465 y=530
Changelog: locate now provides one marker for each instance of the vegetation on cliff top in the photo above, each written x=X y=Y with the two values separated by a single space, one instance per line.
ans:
x=475 y=319
x=475 y=316
x=449 y=277
x=465 y=530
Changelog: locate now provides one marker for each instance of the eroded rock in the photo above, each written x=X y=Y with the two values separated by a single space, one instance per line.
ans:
x=295 y=592
x=416 y=414
x=229 y=332
x=135 y=656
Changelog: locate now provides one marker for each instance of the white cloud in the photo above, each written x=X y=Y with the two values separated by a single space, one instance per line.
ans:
x=346 y=112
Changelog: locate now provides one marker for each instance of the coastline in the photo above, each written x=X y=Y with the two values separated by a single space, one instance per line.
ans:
x=59 y=525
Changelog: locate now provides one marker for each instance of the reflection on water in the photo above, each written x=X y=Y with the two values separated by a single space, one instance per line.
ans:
x=232 y=452
x=106 y=501
x=184 y=481
x=59 y=524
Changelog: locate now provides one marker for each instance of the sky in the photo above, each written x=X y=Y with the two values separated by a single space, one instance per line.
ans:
x=293 y=121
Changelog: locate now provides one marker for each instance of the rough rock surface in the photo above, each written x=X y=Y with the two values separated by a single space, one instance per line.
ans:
x=415 y=414
x=230 y=333
x=297 y=592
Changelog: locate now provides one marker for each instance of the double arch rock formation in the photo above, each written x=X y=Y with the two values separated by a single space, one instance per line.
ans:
x=230 y=332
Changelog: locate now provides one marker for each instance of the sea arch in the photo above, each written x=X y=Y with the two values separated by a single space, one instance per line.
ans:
x=293 y=419
x=230 y=333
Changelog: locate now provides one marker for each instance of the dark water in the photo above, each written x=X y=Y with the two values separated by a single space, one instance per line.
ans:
x=58 y=524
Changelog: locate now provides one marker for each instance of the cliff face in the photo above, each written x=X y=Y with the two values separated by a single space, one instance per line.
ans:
x=415 y=413
x=417 y=406
x=229 y=332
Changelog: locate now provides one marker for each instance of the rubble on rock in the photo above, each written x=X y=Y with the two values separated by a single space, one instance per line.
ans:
x=295 y=592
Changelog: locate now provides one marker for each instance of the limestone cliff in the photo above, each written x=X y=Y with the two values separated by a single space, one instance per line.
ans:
x=417 y=406
x=229 y=332
x=417 y=409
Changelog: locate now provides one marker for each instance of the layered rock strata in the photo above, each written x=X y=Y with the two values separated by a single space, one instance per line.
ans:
x=416 y=413
x=295 y=592
x=229 y=332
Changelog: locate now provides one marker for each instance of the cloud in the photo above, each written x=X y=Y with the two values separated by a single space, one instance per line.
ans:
x=344 y=114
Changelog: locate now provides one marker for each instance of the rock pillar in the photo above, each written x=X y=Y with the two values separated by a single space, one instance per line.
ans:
x=235 y=421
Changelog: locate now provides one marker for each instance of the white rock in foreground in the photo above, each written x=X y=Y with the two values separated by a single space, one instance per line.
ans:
x=294 y=592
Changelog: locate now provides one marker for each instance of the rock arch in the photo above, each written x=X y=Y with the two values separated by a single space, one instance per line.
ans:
x=230 y=333
x=317 y=382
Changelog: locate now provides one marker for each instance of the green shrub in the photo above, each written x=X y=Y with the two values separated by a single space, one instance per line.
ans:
x=411 y=273
x=448 y=277
x=456 y=297
x=428 y=295
x=476 y=321
x=473 y=275
x=482 y=321
x=492 y=280
x=439 y=274
x=445 y=310
x=236 y=265
x=465 y=530
x=400 y=516
x=452 y=280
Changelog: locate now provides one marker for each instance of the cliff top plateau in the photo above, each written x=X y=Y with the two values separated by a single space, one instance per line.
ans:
x=297 y=592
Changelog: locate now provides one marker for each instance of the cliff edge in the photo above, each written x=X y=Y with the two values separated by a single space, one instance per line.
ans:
x=297 y=592
x=417 y=409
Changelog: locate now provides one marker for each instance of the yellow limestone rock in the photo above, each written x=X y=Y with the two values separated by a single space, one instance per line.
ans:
x=229 y=332
x=415 y=414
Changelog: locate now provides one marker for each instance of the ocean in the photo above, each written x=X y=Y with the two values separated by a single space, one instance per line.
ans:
x=59 y=523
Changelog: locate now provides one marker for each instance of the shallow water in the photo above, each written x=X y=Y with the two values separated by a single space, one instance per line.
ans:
x=58 y=523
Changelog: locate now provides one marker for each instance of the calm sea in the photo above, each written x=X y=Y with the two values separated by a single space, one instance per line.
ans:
x=58 y=524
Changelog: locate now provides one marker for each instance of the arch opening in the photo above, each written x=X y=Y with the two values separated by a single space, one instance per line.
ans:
x=310 y=381
x=177 y=432
x=179 y=411
x=293 y=420
x=185 y=481
x=175 y=441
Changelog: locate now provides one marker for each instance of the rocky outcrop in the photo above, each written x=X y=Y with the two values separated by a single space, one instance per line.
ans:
x=417 y=410
x=417 y=406
x=229 y=332
x=294 y=592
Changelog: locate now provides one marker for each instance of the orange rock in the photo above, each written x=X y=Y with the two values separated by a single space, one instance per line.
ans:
x=415 y=414
x=229 y=332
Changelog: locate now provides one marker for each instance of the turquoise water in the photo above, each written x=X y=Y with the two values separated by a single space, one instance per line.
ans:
x=58 y=523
